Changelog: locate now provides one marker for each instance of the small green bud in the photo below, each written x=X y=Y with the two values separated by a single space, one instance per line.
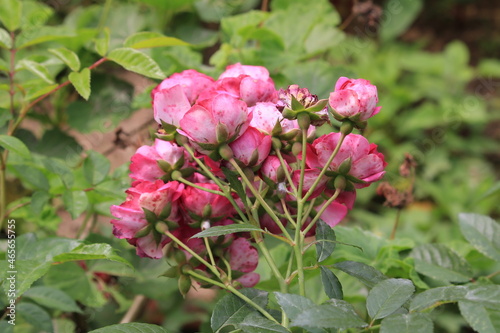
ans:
x=184 y=284
x=226 y=152
x=296 y=148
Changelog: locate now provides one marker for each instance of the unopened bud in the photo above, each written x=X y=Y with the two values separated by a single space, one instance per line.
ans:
x=184 y=284
x=226 y=152
x=296 y=148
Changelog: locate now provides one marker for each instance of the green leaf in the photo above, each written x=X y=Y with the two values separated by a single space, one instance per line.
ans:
x=102 y=43
x=325 y=240
x=81 y=82
x=399 y=14
x=15 y=145
x=38 y=35
x=478 y=317
x=38 y=200
x=10 y=13
x=293 y=304
x=227 y=229
x=435 y=296
x=76 y=202
x=67 y=56
x=131 y=328
x=365 y=273
x=439 y=262
x=488 y=295
x=234 y=182
x=482 y=232
x=91 y=252
x=52 y=298
x=28 y=271
x=35 y=316
x=407 y=323
x=95 y=167
x=232 y=310
x=136 y=61
x=388 y=296
x=5 y=40
x=73 y=280
x=32 y=176
x=144 y=40
x=61 y=169
x=334 y=314
x=333 y=288
x=256 y=323
x=35 y=68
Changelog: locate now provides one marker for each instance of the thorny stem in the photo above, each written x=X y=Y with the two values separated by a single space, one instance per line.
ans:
x=325 y=167
x=259 y=197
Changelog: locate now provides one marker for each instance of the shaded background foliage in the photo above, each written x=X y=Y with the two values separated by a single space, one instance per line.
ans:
x=435 y=64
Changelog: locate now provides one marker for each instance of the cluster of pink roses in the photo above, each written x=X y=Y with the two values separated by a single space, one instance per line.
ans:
x=242 y=118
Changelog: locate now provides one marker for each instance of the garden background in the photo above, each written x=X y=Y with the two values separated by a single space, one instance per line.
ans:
x=437 y=69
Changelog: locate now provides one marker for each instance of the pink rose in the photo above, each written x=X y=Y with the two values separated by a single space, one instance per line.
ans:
x=256 y=72
x=201 y=205
x=131 y=217
x=252 y=147
x=367 y=164
x=265 y=116
x=144 y=164
x=222 y=113
x=271 y=168
x=354 y=98
x=243 y=257
x=191 y=82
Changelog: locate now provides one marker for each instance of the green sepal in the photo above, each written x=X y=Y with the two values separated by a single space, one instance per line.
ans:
x=221 y=133
x=143 y=231
x=172 y=272
x=320 y=105
x=296 y=105
x=290 y=135
x=277 y=129
x=165 y=212
x=164 y=166
x=345 y=166
x=157 y=237
x=184 y=284
x=207 y=211
x=150 y=216
x=179 y=163
x=289 y=114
